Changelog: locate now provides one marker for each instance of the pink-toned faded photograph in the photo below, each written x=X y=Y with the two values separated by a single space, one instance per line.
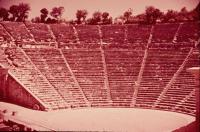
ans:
x=100 y=65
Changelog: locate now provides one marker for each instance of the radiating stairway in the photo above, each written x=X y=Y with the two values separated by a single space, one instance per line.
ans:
x=123 y=68
x=87 y=67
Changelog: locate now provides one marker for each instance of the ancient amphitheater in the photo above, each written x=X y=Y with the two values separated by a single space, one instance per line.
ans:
x=60 y=67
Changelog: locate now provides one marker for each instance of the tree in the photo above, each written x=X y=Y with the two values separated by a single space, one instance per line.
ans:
x=57 y=12
x=4 y=14
x=170 y=16
x=140 y=18
x=127 y=15
x=184 y=10
x=152 y=14
x=97 y=17
x=119 y=20
x=110 y=21
x=195 y=13
x=183 y=15
x=44 y=13
x=105 y=19
x=36 y=20
x=14 y=11
x=23 y=10
x=51 y=20
x=81 y=15
x=105 y=15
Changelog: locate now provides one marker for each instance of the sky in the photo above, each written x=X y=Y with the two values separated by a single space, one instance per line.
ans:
x=114 y=7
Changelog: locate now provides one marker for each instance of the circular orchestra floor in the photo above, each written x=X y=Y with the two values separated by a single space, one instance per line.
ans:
x=101 y=119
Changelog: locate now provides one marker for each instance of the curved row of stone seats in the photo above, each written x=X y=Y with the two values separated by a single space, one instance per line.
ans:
x=182 y=87
x=40 y=32
x=87 y=67
x=51 y=64
x=82 y=46
x=180 y=45
x=188 y=32
x=164 y=33
x=123 y=67
x=33 y=80
x=88 y=34
x=64 y=34
x=135 y=46
x=113 y=34
x=138 y=33
x=18 y=31
x=160 y=66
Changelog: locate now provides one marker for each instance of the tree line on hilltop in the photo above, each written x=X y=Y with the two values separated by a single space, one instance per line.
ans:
x=20 y=12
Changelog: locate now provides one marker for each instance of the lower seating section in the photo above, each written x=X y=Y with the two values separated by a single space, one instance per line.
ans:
x=52 y=65
x=113 y=34
x=88 y=34
x=77 y=73
x=123 y=67
x=3 y=35
x=45 y=72
x=188 y=106
x=32 y=79
x=40 y=32
x=87 y=66
x=160 y=66
x=181 y=88
x=18 y=31
x=189 y=32
x=64 y=34
x=138 y=33
x=164 y=32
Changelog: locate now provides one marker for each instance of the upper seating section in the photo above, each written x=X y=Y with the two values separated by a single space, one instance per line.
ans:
x=163 y=33
x=88 y=34
x=123 y=67
x=189 y=32
x=40 y=32
x=138 y=34
x=113 y=34
x=18 y=31
x=64 y=34
x=132 y=35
